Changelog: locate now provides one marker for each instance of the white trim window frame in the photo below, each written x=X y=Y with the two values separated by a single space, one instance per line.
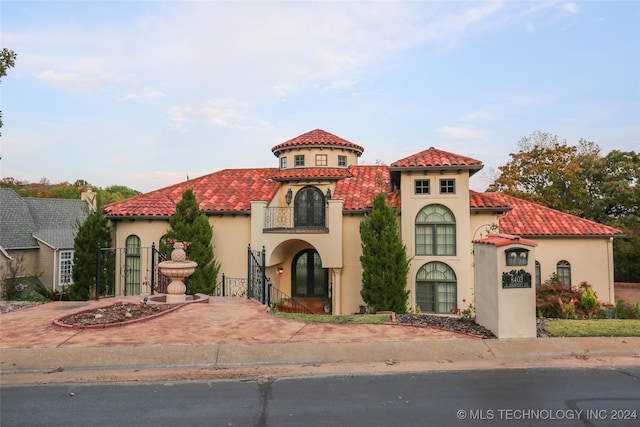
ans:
x=65 y=268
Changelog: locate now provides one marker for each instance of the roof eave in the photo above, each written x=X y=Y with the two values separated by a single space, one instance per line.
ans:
x=471 y=168
x=492 y=209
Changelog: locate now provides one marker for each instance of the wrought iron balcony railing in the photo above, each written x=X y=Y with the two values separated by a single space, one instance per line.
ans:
x=282 y=219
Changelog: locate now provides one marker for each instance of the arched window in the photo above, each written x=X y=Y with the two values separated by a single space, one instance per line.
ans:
x=308 y=278
x=435 y=231
x=131 y=270
x=309 y=208
x=436 y=288
x=563 y=269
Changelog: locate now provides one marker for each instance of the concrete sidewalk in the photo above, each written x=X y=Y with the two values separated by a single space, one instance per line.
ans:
x=230 y=334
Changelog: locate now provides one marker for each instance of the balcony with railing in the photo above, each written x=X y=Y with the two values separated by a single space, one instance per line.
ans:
x=287 y=220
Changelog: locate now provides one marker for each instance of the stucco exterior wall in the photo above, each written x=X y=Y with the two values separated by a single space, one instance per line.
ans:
x=458 y=203
x=591 y=261
x=351 y=279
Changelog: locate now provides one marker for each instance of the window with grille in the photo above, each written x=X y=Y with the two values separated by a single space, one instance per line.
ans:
x=422 y=186
x=298 y=160
x=436 y=288
x=342 y=161
x=321 y=160
x=435 y=231
x=66 y=268
x=132 y=266
x=563 y=269
x=283 y=163
x=447 y=186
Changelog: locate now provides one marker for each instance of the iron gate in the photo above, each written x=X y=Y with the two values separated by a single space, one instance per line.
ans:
x=130 y=270
x=256 y=275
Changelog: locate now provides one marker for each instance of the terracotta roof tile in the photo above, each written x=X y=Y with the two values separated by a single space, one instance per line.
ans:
x=229 y=190
x=484 y=201
x=317 y=138
x=359 y=190
x=310 y=173
x=499 y=240
x=434 y=158
x=530 y=219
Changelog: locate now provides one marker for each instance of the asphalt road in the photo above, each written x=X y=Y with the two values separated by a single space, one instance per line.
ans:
x=606 y=396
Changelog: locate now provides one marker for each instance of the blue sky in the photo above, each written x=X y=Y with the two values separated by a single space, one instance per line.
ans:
x=145 y=93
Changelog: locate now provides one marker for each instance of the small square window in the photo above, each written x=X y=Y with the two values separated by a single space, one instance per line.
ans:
x=321 y=160
x=422 y=186
x=298 y=160
x=283 y=163
x=342 y=161
x=447 y=186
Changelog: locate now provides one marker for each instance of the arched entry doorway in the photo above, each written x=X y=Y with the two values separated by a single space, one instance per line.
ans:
x=308 y=278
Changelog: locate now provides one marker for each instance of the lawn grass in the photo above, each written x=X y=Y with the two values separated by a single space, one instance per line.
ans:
x=357 y=319
x=593 y=328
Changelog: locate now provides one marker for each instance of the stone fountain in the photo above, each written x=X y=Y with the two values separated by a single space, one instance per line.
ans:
x=177 y=270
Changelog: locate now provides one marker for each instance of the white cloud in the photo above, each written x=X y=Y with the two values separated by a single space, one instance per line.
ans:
x=478 y=116
x=571 y=8
x=218 y=113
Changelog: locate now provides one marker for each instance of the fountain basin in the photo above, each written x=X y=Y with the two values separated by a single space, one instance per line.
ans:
x=188 y=299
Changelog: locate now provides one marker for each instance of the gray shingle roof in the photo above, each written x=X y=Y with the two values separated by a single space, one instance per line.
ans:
x=53 y=221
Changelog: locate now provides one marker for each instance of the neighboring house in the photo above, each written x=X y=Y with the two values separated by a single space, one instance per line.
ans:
x=306 y=214
x=39 y=233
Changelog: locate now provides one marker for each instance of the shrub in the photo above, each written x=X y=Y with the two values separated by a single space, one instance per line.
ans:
x=588 y=299
x=624 y=310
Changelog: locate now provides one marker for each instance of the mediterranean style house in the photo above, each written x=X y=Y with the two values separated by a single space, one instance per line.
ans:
x=306 y=214
x=37 y=237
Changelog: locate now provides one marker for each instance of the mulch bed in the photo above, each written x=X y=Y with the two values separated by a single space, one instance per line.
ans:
x=115 y=314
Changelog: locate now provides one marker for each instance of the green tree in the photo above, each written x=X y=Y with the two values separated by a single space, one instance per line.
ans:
x=551 y=172
x=385 y=265
x=7 y=60
x=188 y=224
x=94 y=232
x=115 y=193
x=578 y=180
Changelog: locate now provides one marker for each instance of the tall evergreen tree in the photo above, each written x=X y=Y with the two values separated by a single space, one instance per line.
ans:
x=385 y=265
x=188 y=224
x=94 y=232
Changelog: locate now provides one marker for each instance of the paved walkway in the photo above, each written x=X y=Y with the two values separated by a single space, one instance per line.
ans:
x=230 y=332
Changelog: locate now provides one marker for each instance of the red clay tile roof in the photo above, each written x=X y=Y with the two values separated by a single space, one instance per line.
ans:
x=504 y=239
x=228 y=190
x=317 y=138
x=311 y=173
x=530 y=219
x=433 y=158
x=484 y=202
x=359 y=190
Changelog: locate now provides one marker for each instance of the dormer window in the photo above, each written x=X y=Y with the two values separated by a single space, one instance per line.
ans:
x=283 y=163
x=298 y=160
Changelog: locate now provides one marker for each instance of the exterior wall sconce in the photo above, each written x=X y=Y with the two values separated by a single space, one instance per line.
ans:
x=288 y=197
x=279 y=269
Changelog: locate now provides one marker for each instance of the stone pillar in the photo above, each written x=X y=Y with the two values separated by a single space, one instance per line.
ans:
x=505 y=294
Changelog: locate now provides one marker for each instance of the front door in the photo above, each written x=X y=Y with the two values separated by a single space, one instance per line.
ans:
x=309 y=278
x=309 y=208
